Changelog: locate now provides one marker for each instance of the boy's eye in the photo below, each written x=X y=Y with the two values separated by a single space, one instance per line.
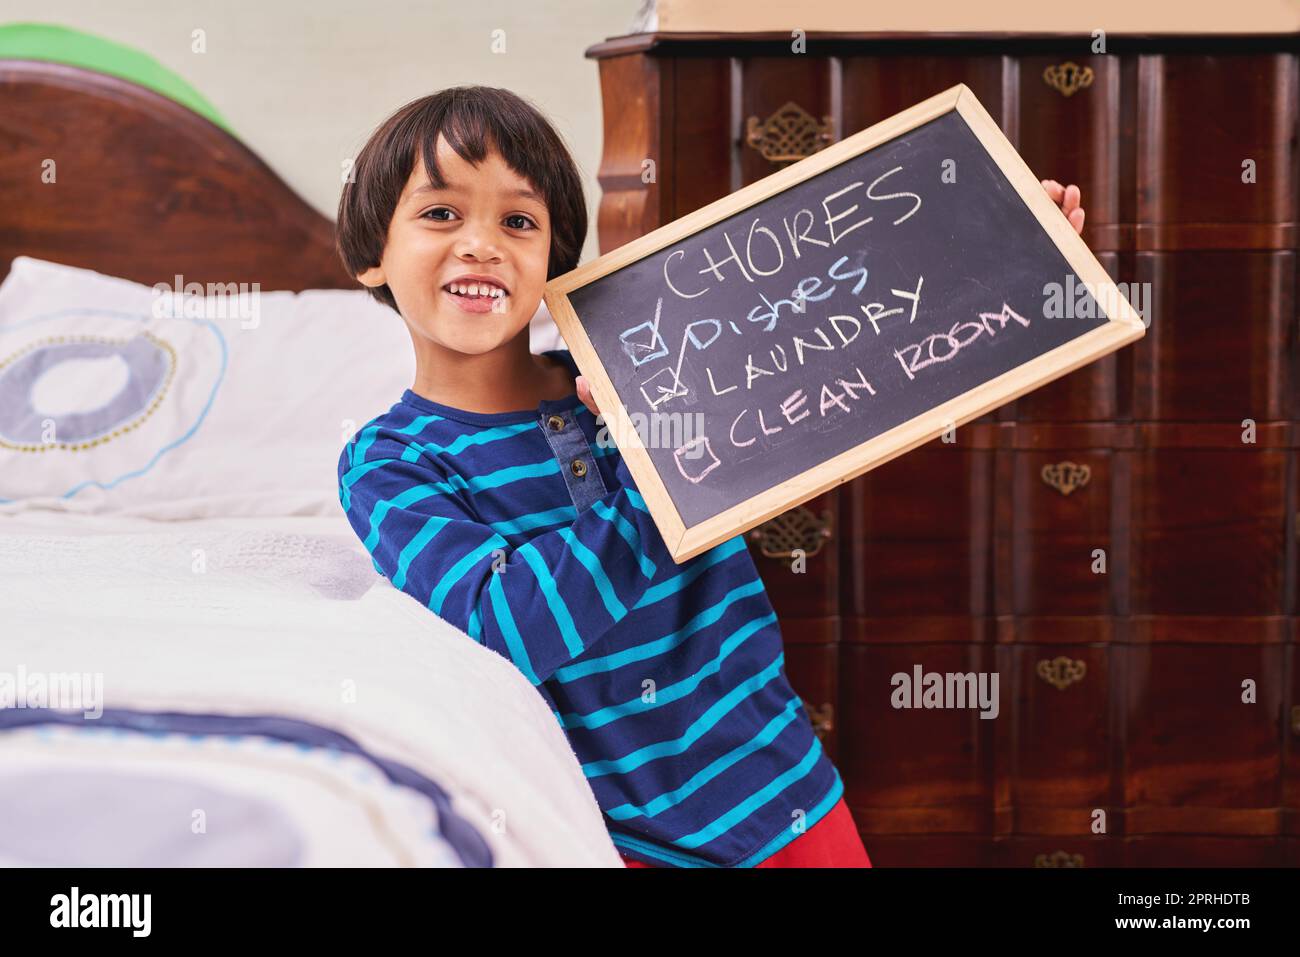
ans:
x=524 y=221
x=428 y=214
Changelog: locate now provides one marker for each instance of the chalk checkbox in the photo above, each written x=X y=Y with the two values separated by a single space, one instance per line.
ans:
x=651 y=346
x=659 y=392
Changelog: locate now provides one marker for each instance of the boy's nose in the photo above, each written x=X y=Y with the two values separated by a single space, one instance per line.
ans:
x=477 y=244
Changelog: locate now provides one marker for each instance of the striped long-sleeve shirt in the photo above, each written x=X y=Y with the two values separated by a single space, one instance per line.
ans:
x=527 y=533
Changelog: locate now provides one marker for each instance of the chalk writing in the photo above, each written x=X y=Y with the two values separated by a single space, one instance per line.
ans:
x=941 y=347
x=825 y=315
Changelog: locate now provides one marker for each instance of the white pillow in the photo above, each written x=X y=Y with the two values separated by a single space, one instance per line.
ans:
x=116 y=399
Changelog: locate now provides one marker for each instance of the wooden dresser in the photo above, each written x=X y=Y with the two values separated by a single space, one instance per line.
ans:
x=1119 y=546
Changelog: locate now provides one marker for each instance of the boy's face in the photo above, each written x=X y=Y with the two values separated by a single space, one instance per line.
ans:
x=490 y=223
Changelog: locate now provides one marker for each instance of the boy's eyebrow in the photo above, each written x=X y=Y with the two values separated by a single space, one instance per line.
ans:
x=520 y=193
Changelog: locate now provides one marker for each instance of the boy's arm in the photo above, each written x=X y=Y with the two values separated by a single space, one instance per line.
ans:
x=541 y=604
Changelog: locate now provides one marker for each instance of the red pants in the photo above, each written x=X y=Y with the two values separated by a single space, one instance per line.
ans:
x=831 y=842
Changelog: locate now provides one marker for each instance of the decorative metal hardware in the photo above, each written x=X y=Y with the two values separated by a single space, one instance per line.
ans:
x=798 y=528
x=1062 y=672
x=789 y=135
x=823 y=718
x=1058 y=859
x=1066 y=477
x=1068 y=78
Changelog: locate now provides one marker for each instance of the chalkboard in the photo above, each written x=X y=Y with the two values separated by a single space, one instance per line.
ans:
x=832 y=316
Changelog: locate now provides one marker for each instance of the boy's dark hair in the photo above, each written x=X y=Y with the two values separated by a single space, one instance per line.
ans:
x=473 y=119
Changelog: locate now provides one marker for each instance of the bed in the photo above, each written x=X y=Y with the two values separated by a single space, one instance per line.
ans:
x=199 y=664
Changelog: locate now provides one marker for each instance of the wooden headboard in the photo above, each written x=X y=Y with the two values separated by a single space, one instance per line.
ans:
x=145 y=189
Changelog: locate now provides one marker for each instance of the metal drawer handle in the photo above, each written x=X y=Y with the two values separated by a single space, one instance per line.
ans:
x=822 y=718
x=789 y=134
x=1062 y=672
x=798 y=528
x=1058 y=859
x=1066 y=477
x=1068 y=78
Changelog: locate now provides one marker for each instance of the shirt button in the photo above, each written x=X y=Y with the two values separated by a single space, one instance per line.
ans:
x=556 y=423
x=579 y=467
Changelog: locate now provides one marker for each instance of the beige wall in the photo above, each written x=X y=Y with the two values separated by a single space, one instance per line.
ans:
x=1111 y=16
x=303 y=84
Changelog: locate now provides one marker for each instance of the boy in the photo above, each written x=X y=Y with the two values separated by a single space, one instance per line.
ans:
x=483 y=494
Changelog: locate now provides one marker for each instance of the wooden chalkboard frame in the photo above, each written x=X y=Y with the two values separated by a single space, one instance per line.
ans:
x=685 y=542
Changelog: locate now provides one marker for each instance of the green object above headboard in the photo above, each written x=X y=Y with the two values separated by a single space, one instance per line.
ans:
x=45 y=41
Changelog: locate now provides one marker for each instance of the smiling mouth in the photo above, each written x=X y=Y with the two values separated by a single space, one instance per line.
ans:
x=477 y=297
x=476 y=290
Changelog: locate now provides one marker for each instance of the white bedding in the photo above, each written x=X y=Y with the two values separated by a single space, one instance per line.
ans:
x=286 y=616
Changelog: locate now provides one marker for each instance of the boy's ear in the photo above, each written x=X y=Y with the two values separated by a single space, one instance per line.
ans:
x=372 y=277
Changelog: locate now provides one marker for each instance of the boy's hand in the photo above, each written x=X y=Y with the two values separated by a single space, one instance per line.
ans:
x=1068 y=198
x=584 y=393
